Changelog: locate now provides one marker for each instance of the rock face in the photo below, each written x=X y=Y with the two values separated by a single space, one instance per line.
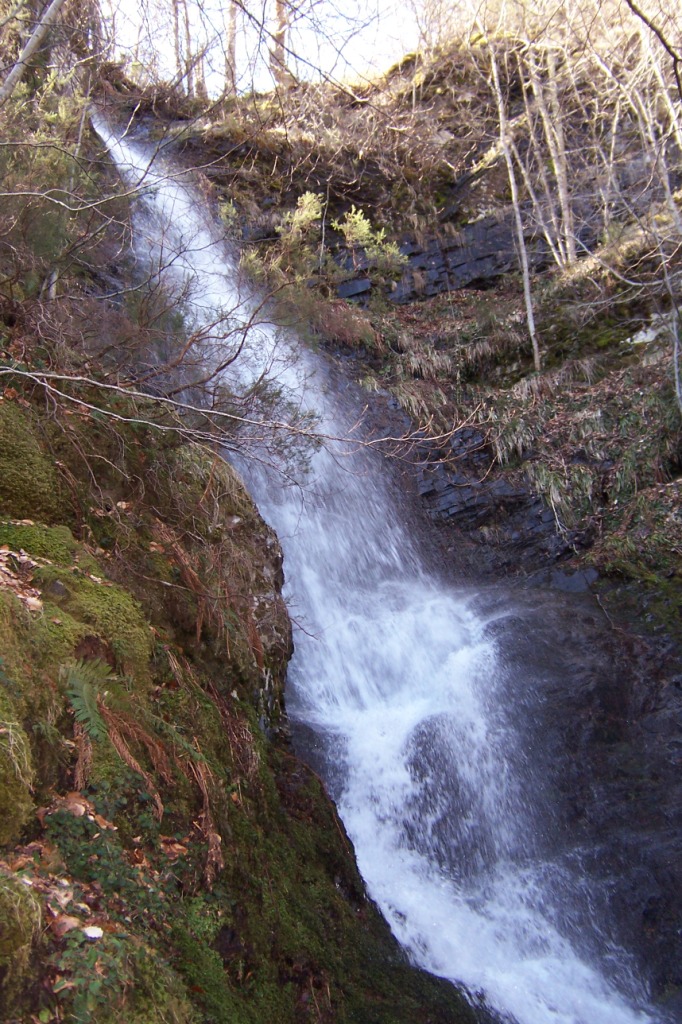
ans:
x=475 y=254
x=500 y=513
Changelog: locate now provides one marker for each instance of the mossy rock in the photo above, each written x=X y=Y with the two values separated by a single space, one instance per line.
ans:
x=20 y=919
x=29 y=485
x=198 y=474
x=107 y=609
x=16 y=774
x=78 y=600
x=55 y=543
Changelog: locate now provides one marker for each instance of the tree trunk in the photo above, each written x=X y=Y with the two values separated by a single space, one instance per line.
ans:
x=516 y=204
x=189 y=62
x=33 y=44
x=230 y=49
x=545 y=210
x=554 y=136
x=278 y=58
x=177 y=45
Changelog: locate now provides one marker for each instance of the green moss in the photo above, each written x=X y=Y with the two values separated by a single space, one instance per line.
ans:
x=159 y=995
x=32 y=649
x=19 y=926
x=56 y=635
x=203 y=971
x=16 y=772
x=11 y=666
x=29 y=486
x=190 y=470
x=109 y=773
x=108 y=609
x=55 y=543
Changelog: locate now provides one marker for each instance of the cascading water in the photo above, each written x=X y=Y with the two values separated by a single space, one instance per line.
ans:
x=419 y=694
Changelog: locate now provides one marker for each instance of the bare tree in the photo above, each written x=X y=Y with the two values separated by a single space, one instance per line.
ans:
x=673 y=50
x=35 y=41
x=505 y=144
x=278 y=50
x=230 y=50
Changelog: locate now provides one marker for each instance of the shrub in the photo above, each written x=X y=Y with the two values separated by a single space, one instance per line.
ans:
x=361 y=238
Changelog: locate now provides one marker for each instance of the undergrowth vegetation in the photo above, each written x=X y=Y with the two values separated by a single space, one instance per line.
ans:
x=598 y=434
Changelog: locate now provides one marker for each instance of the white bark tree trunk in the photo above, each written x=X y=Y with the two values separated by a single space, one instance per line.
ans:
x=516 y=204
x=278 y=59
x=230 y=22
x=32 y=46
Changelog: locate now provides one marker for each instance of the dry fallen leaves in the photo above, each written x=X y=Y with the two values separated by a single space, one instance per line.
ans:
x=62 y=924
x=16 y=575
x=76 y=805
x=172 y=848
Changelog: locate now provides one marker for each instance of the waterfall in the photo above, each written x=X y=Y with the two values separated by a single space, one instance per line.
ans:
x=422 y=696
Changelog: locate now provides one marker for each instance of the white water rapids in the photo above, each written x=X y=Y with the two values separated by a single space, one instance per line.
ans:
x=403 y=681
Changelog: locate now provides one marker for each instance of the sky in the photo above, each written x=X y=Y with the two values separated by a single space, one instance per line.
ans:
x=350 y=39
x=365 y=45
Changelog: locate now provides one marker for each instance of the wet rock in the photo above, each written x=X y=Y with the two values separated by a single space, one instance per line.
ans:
x=490 y=508
x=505 y=525
x=352 y=289
x=575 y=582
x=603 y=723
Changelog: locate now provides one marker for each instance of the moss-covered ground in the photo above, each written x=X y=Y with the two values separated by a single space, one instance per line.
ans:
x=160 y=858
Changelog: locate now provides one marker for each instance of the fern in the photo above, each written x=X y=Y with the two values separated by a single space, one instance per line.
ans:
x=83 y=680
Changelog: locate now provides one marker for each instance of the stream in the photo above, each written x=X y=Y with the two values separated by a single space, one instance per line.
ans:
x=448 y=721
